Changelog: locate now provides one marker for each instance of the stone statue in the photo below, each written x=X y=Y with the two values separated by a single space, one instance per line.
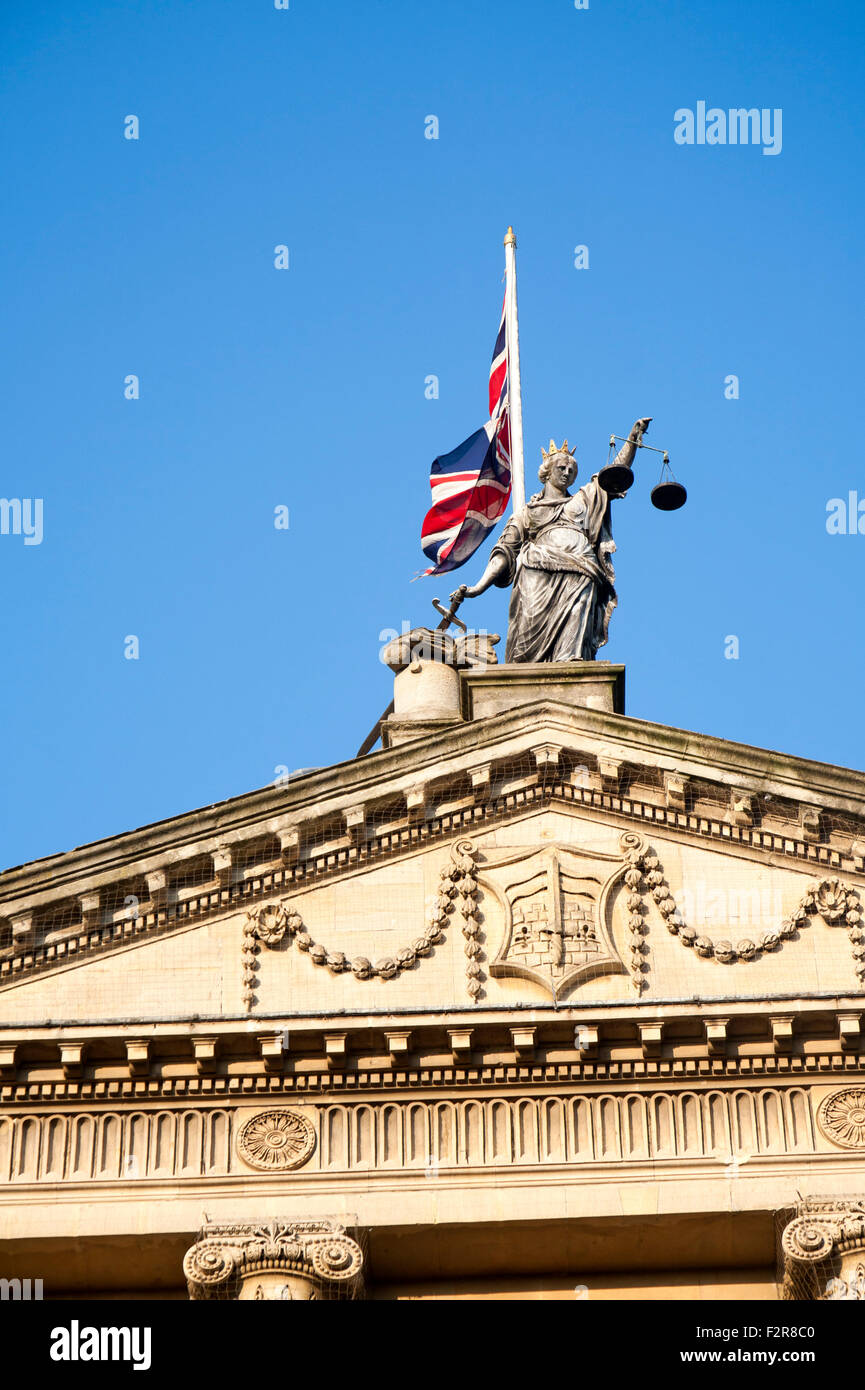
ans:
x=556 y=553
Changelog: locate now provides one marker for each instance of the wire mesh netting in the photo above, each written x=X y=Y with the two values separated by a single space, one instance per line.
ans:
x=325 y=1259
x=836 y=1274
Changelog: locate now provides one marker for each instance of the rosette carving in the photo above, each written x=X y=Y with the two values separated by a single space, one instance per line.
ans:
x=831 y=900
x=276 y=1140
x=841 y=1117
x=267 y=924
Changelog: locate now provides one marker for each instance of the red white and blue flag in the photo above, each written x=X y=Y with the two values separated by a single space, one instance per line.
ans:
x=471 y=485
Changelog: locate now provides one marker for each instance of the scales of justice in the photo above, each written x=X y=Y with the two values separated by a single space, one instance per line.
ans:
x=555 y=550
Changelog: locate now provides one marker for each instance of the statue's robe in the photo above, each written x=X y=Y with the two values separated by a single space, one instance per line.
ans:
x=558 y=560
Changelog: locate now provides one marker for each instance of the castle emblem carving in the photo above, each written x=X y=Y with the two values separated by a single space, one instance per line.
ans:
x=554 y=901
x=276 y=1140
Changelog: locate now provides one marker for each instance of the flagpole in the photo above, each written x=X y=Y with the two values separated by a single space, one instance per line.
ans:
x=518 y=477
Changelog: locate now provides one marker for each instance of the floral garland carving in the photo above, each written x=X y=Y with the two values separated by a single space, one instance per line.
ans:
x=830 y=899
x=463 y=874
x=639 y=861
x=269 y=924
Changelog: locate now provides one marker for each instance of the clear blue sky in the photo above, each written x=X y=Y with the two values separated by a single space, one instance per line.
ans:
x=259 y=387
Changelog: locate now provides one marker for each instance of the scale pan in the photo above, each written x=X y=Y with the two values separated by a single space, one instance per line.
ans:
x=669 y=496
x=615 y=478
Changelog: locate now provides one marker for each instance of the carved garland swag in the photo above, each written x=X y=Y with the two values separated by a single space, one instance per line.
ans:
x=269 y=924
x=644 y=879
x=834 y=901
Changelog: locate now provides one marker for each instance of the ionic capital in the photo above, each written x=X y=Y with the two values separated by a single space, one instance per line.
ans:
x=824 y=1251
x=275 y=1261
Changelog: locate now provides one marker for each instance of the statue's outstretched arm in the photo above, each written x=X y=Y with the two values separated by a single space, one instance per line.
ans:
x=496 y=569
x=626 y=454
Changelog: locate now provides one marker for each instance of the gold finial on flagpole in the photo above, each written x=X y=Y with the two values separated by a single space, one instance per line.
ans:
x=510 y=239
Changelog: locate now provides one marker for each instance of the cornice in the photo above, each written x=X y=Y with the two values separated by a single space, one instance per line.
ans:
x=385 y=1054
x=407 y=835
x=435 y=1080
x=436 y=756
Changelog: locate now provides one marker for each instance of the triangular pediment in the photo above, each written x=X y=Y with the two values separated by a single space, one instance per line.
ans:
x=555 y=902
x=376 y=832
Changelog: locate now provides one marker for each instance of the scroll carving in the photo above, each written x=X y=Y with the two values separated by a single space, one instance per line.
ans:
x=297 y=1261
x=823 y=1248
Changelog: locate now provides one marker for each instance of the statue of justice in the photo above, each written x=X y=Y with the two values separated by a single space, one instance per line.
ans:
x=556 y=553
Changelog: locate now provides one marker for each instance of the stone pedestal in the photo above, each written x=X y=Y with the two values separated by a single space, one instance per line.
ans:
x=596 y=685
x=441 y=681
x=427 y=690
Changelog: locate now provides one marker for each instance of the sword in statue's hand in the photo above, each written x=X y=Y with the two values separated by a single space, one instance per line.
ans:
x=449 y=615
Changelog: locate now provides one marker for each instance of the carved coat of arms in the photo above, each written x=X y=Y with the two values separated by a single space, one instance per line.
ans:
x=554 y=902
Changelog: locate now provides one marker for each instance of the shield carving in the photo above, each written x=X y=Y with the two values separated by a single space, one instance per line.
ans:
x=554 y=905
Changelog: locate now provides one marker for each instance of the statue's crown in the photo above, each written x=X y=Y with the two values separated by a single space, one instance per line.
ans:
x=554 y=449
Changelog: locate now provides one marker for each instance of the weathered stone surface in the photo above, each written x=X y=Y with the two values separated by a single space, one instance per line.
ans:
x=535 y=940
x=598 y=685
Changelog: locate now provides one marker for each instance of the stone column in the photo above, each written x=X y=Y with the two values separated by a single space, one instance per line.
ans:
x=824 y=1251
x=281 y=1260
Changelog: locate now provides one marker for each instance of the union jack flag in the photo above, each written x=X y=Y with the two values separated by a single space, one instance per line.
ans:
x=471 y=485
